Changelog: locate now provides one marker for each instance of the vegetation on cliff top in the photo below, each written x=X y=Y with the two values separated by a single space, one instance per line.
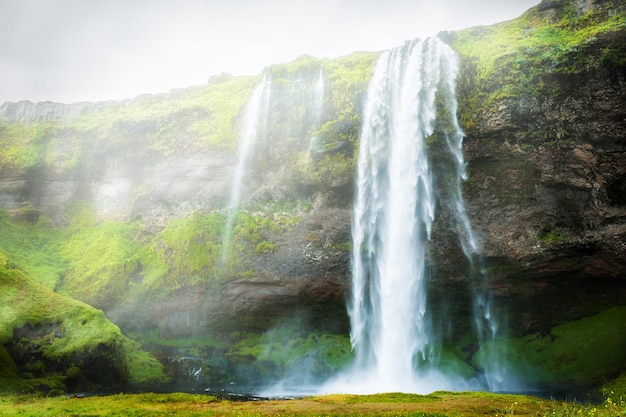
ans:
x=510 y=60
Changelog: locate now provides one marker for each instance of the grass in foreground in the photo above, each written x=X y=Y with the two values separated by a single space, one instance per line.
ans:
x=439 y=404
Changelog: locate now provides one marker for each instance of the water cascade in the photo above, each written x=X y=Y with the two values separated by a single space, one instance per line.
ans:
x=292 y=107
x=319 y=97
x=412 y=91
x=254 y=125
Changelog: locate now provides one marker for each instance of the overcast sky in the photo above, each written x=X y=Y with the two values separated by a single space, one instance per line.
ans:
x=89 y=50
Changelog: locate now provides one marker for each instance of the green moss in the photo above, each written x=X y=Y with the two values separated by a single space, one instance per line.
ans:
x=286 y=349
x=580 y=352
x=104 y=262
x=21 y=146
x=186 y=252
x=511 y=60
x=348 y=78
x=551 y=236
x=533 y=39
x=68 y=332
x=265 y=247
x=154 y=338
x=101 y=258
x=36 y=249
x=143 y=368
x=328 y=170
x=8 y=369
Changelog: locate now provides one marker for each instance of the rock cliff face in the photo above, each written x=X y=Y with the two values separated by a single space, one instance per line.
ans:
x=546 y=182
x=48 y=111
x=546 y=194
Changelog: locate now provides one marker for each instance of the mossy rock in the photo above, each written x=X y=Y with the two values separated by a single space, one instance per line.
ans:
x=49 y=337
x=287 y=350
x=577 y=355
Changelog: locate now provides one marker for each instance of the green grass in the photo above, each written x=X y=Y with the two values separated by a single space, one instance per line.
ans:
x=440 y=404
x=101 y=258
x=26 y=302
x=143 y=368
x=534 y=39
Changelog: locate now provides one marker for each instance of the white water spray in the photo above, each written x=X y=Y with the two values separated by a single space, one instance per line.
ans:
x=254 y=125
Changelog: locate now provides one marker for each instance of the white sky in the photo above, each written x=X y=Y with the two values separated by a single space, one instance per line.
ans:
x=89 y=50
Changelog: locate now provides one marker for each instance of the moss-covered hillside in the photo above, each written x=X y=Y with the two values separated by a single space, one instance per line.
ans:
x=52 y=343
x=123 y=206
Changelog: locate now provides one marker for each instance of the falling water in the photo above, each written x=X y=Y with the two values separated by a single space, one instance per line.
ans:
x=392 y=331
x=254 y=124
x=319 y=98
x=495 y=373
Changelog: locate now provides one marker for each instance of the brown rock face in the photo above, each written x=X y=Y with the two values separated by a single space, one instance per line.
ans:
x=567 y=190
x=546 y=190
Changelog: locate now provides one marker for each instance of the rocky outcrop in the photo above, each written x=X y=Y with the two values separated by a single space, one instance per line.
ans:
x=54 y=343
x=48 y=111
x=546 y=179
x=306 y=275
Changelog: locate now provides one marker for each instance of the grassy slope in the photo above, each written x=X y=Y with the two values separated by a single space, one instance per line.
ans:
x=34 y=249
x=25 y=303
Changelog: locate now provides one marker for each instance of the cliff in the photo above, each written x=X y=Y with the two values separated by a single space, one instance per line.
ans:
x=128 y=200
x=545 y=147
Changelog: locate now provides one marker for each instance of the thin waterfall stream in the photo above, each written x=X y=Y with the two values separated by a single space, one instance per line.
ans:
x=254 y=124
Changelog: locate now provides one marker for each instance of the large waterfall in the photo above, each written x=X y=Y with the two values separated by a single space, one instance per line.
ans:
x=412 y=91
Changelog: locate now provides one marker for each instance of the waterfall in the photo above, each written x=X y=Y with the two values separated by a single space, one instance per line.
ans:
x=291 y=105
x=319 y=98
x=254 y=124
x=412 y=87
